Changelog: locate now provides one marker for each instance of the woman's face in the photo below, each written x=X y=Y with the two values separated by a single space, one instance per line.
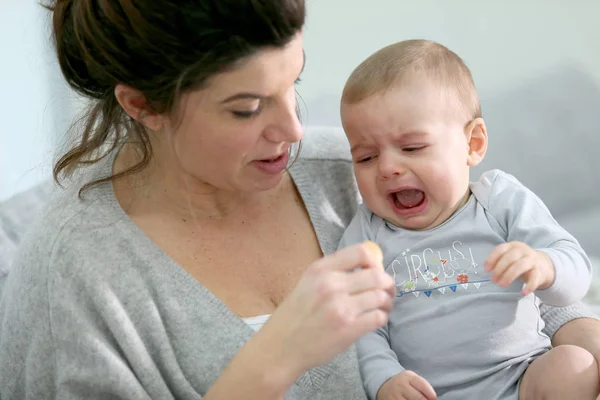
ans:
x=235 y=133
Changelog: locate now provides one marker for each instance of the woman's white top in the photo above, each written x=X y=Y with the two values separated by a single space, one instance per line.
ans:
x=257 y=322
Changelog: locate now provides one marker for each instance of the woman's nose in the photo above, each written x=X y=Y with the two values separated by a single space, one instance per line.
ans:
x=287 y=126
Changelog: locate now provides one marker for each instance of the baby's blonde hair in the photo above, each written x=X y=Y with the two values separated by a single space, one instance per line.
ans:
x=390 y=66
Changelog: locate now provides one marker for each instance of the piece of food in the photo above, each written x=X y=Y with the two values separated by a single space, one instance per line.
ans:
x=375 y=249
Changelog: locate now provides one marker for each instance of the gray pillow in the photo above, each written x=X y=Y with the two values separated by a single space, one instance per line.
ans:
x=547 y=133
x=17 y=214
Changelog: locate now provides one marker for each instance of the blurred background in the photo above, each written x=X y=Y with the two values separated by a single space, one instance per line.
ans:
x=536 y=64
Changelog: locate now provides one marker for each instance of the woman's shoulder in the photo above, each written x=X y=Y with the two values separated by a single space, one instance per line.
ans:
x=325 y=161
x=70 y=230
x=324 y=176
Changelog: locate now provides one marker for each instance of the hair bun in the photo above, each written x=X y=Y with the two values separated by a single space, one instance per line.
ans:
x=71 y=33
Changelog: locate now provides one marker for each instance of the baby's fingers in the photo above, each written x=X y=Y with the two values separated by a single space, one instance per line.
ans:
x=495 y=256
x=532 y=281
x=505 y=263
x=423 y=387
x=514 y=271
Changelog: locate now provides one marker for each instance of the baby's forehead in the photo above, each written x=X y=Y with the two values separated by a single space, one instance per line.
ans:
x=402 y=118
x=430 y=96
x=450 y=101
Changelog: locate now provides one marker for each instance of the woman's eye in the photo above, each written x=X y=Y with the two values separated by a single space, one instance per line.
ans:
x=246 y=114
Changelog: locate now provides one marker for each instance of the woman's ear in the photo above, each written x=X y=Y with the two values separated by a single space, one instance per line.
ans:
x=477 y=141
x=135 y=105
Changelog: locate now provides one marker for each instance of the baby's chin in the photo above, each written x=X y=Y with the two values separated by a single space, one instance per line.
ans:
x=412 y=223
x=416 y=223
x=420 y=221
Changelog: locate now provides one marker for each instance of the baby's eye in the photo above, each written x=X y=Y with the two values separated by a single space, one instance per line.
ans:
x=413 y=149
x=364 y=159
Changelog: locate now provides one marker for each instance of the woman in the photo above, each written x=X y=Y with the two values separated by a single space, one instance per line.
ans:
x=180 y=228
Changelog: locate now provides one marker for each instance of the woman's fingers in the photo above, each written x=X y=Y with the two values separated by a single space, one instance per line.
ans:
x=364 y=261
x=360 y=255
x=370 y=321
x=339 y=298
x=369 y=279
x=371 y=300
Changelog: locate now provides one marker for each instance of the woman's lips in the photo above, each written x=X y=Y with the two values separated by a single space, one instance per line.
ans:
x=274 y=165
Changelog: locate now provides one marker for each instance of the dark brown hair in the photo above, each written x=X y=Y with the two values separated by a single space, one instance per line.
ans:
x=162 y=48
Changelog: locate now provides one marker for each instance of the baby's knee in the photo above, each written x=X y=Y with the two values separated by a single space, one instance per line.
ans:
x=574 y=358
x=564 y=372
x=579 y=366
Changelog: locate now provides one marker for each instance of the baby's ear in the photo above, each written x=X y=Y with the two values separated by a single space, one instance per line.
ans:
x=477 y=141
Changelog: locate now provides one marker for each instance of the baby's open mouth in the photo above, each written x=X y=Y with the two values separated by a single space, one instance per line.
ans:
x=408 y=198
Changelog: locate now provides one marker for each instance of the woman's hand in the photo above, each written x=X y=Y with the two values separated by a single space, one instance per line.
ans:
x=332 y=306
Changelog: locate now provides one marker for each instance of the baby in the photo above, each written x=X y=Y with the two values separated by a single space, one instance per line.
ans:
x=472 y=261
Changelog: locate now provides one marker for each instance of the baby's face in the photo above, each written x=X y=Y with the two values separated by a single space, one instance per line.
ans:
x=410 y=154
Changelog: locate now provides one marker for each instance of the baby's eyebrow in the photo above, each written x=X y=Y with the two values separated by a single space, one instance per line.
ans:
x=357 y=146
x=412 y=136
x=353 y=148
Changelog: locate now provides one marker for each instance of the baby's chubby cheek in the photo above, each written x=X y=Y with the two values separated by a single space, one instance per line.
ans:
x=372 y=197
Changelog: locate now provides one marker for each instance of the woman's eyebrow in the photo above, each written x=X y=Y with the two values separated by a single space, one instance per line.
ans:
x=242 y=96
x=256 y=96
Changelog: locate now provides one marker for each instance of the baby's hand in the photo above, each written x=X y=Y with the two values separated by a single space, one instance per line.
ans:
x=512 y=260
x=406 y=386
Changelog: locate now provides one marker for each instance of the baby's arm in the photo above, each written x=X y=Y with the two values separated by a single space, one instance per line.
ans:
x=378 y=362
x=524 y=218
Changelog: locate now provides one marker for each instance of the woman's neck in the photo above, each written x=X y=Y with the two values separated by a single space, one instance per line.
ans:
x=159 y=188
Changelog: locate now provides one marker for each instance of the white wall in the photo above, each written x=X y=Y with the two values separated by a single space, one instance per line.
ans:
x=34 y=103
x=505 y=43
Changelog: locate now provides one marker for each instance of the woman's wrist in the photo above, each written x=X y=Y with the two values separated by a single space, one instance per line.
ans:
x=270 y=353
x=260 y=369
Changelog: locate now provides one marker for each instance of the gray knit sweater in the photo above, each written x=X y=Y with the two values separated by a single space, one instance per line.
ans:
x=92 y=309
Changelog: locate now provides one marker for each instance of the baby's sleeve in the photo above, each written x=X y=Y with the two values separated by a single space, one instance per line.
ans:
x=523 y=217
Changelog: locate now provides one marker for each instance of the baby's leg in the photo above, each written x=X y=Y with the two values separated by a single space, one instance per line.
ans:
x=565 y=372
